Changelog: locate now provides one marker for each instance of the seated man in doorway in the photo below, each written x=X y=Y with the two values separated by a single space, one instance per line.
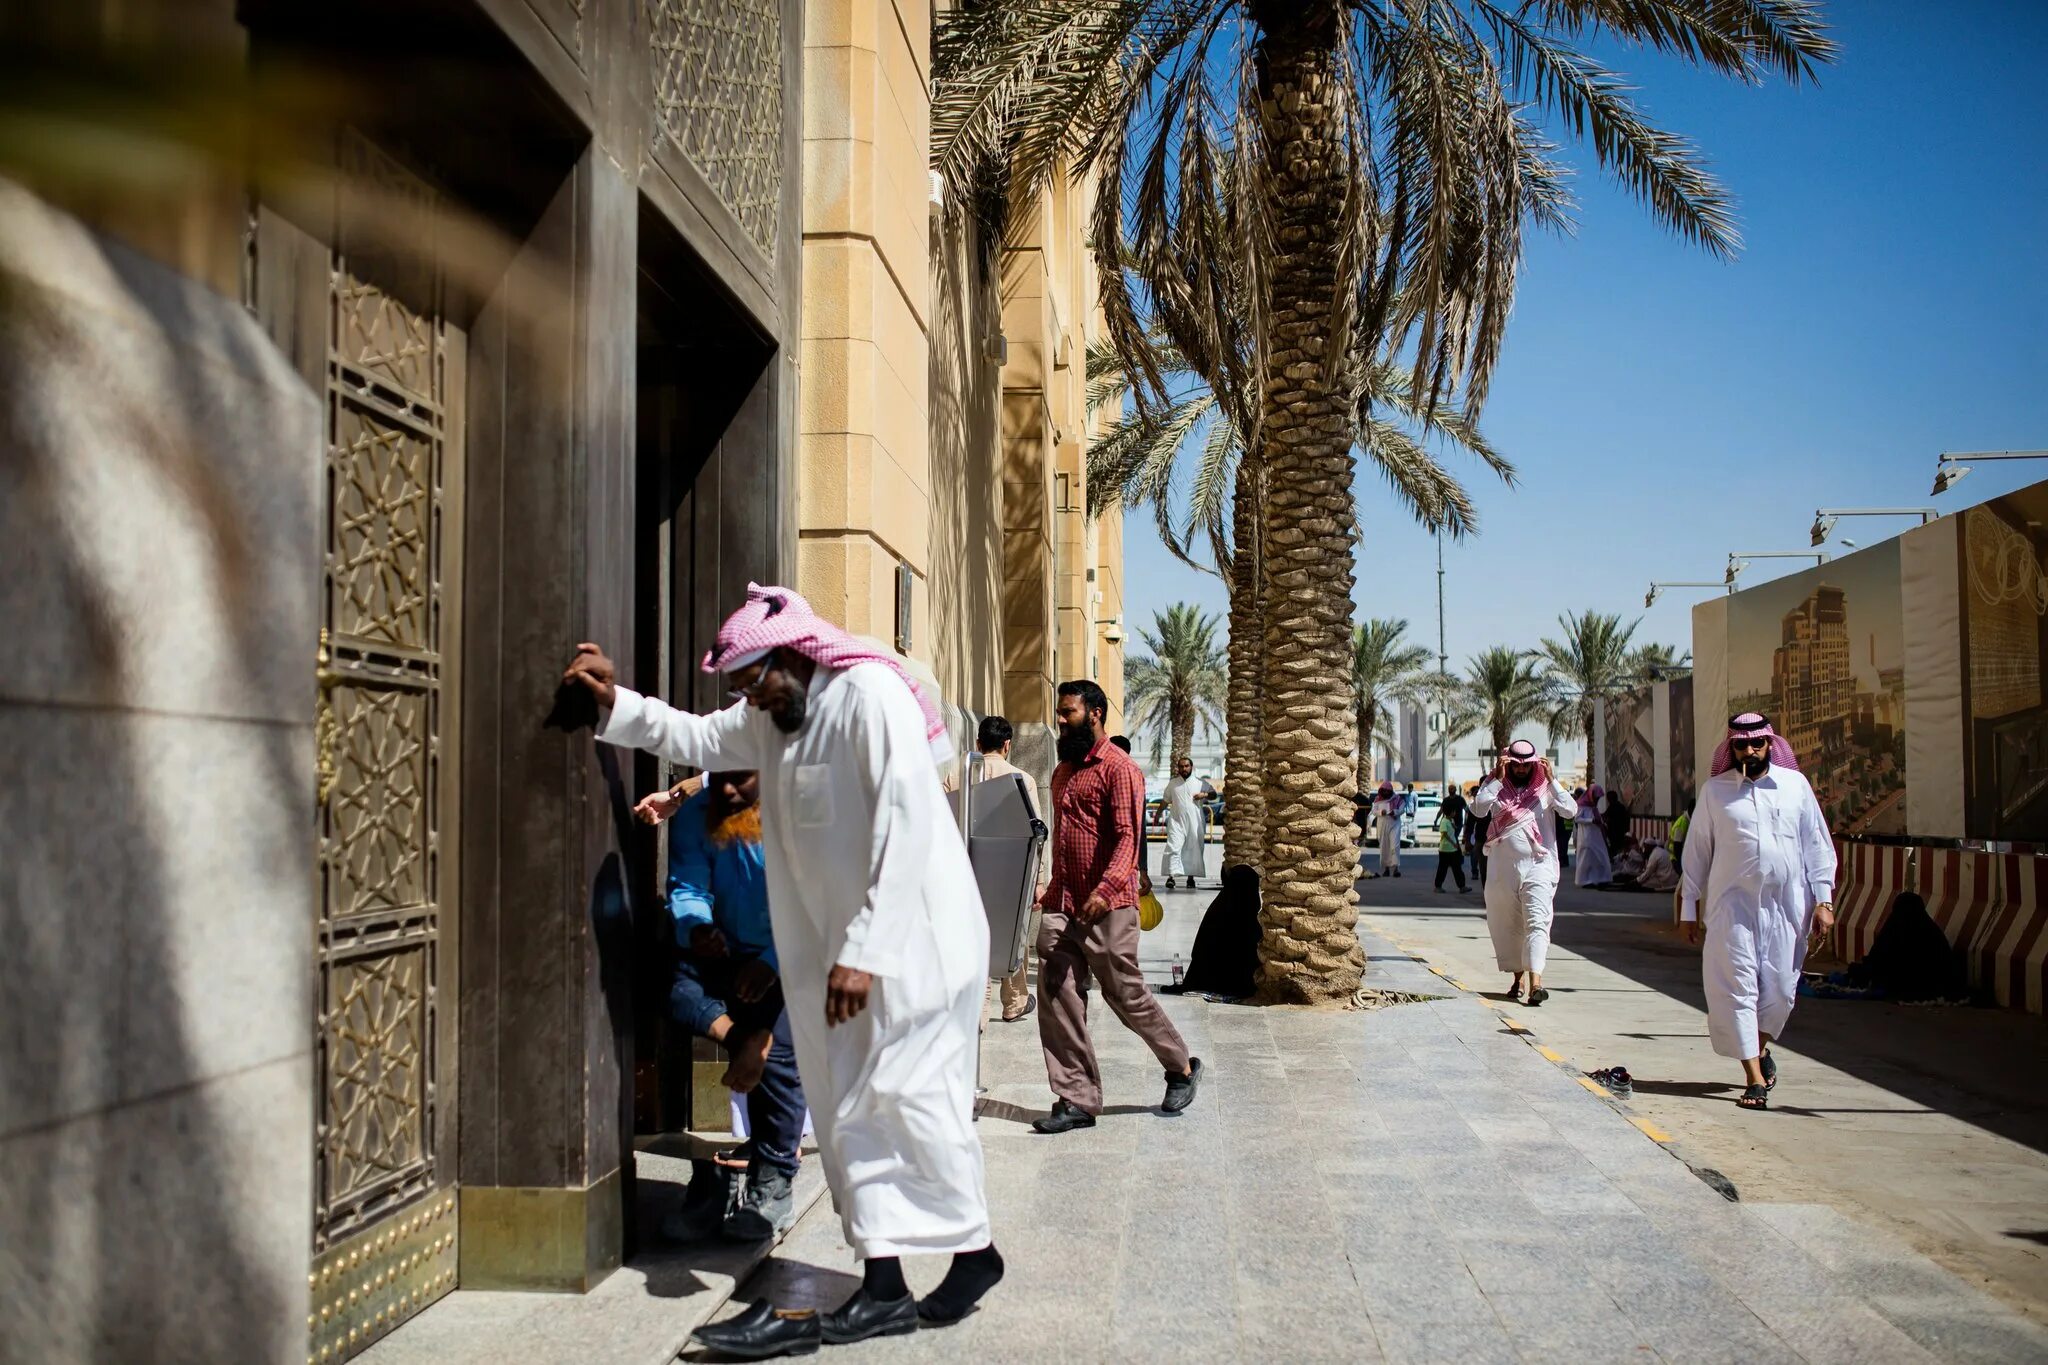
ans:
x=728 y=989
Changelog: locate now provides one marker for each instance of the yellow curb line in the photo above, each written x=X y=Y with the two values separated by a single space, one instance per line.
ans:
x=1548 y=1055
x=1594 y=1086
x=1650 y=1130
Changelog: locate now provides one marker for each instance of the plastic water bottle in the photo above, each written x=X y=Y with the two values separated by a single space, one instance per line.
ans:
x=1177 y=969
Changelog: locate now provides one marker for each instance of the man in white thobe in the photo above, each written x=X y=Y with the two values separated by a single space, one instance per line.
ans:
x=1386 y=808
x=1183 y=826
x=1760 y=876
x=1522 y=862
x=882 y=943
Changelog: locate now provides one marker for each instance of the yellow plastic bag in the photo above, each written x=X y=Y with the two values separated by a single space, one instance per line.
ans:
x=1150 y=911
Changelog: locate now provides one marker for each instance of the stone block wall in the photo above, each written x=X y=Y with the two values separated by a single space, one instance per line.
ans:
x=159 y=465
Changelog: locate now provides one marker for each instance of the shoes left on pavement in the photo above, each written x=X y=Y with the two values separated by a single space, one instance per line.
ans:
x=1180 y=1090
x=763 y=1332
x=861 y=1317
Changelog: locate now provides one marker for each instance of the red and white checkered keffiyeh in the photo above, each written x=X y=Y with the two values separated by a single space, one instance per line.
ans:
x=778 y=618
x=1749 y=725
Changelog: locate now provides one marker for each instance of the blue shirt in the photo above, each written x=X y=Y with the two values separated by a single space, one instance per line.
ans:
x=726 y=887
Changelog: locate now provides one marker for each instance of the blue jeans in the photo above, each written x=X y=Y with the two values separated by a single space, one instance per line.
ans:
x=775 y=1108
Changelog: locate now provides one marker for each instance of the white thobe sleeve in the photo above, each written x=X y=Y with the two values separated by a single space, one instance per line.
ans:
x=1817 y=850
x=724 y=741
x=888 y=755
x=1483 y=799
x=1699 y=860
x=1561 y=802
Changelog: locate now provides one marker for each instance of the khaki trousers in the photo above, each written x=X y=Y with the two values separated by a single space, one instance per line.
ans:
x=1068 y=953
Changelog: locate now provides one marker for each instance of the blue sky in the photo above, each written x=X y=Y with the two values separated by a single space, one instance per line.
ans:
x=1665 y=408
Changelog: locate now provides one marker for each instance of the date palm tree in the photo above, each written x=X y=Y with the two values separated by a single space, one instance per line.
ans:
x=1508 y=689
x=1591 y=661
x=1186 y=459
x=1385 y=671
x=1365 y=169
x=1181 y=686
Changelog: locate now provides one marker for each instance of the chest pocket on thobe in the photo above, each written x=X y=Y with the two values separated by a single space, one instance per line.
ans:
x=814 y=795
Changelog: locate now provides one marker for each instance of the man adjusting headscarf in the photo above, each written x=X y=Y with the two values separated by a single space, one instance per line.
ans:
x=1522 y=865
x=882 y=945
x=1760 y=876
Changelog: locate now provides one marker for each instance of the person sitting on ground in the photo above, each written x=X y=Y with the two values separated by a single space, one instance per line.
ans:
x=727 y=988
x=1225 y=959
x=1659 y=873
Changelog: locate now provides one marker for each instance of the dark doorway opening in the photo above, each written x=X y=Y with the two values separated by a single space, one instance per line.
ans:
x=709 y=509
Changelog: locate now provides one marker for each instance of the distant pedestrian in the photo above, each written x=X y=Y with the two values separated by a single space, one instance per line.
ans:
x=1594 y=867
x=1450 y=855
x=1183 y=856
x=1090 y=922
x=1386 y=808
x=1760 y=876
x=1475 y=841
x=1521 y=796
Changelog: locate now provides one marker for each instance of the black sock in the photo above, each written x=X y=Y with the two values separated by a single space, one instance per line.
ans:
x=884 y=1279
x=972 y=1274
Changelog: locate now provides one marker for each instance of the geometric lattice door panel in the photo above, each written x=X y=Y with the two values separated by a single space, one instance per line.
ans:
x=384 y=1221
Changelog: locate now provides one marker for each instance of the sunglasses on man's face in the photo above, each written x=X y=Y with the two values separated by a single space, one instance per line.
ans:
x=1761 y=744
x=748 y=690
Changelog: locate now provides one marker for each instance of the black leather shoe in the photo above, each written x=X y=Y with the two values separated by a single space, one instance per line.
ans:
x=763 y=1332
x=861 y=1317
x=1180 y=1090
x=1065 y=1117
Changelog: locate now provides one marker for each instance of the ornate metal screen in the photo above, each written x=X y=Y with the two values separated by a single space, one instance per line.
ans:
x=384 y=1227
x=718 y=97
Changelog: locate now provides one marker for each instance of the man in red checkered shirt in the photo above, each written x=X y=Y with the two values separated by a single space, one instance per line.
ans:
x=1090 y=924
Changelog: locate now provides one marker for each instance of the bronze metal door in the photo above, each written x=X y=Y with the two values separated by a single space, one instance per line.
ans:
x=384 y=1233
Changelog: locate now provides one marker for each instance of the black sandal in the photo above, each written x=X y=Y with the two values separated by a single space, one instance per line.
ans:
x=1537 y=996
x=1770 y=1070
x=1754 y=1097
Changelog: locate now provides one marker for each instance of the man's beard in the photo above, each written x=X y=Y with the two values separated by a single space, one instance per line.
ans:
x=795 y=708
x=1074 y=743
x=1755 y=766
x=1522 y=778
x=742 y=826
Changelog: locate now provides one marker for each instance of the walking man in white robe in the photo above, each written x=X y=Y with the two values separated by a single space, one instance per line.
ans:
x=1183 y=826
x=881 y=941
x=1524 y=800
x=1760 y=877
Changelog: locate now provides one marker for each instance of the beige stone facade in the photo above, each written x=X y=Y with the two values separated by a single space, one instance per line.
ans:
x=944 y=421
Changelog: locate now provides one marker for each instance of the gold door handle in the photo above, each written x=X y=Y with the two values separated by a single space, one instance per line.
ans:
x=326 y=727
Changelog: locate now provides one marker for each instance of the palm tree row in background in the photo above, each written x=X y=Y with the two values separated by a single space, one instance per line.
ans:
x=1290 y=191
x=1180 y=687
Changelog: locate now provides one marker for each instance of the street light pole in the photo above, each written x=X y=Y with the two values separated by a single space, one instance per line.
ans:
x=1443 y=678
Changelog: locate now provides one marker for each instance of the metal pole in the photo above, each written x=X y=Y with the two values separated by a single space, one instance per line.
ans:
x=1443 y=674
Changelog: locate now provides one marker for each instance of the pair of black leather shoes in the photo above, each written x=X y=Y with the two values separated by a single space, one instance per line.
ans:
x=764 y=1332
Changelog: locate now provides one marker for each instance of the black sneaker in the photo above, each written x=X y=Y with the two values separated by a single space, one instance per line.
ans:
x=1180 y=1090
x=1065 y=1117
x=767 y=1208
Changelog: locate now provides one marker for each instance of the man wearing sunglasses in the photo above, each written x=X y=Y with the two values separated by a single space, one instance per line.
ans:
x=880 y=941
x=1760 y=880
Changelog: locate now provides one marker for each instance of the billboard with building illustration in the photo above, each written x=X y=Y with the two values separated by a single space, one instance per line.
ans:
x=2004 y=618
x=1822 y=653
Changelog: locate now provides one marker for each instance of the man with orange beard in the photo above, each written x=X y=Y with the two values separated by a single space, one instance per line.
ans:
x=728 y=988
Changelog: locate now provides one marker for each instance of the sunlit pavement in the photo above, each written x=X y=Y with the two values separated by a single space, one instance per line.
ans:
x=1420 y=1182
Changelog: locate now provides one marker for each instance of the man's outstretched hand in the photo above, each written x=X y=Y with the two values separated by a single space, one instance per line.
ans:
x=592 y=670
x=846 y=994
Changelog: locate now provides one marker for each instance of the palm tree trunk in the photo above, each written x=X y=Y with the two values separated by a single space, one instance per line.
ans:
x=1182 y=737
x=1311 y=952
x=1364 y=764
x=1587 y=721
x=1244 y=790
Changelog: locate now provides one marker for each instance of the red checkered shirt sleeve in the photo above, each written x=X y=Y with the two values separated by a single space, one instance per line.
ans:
x=1124 y=797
